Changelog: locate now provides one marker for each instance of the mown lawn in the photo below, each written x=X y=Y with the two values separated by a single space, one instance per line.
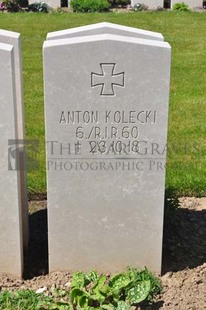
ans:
x=186 y=32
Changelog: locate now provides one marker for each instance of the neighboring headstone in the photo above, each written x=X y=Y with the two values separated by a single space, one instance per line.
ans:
x=11 y=256
x=106 y=105
x=151 y=4
x=14 y=39
x=191 y=3
x=52 y=3
x=102 y=28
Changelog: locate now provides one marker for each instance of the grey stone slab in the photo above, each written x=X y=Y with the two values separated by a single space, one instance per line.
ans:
x=102 y=28
x=11 y=253
x=106 y=132
x=14 y=39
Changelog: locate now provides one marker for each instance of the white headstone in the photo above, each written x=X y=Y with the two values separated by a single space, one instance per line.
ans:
x=52 y=3
x=14 y=39
x=191 y=3
x=151 y=4
x=102 y=28
x=11 y=257
x=106 y=105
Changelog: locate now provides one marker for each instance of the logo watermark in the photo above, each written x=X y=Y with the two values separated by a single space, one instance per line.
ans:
x=100 y=156
x=23 y=154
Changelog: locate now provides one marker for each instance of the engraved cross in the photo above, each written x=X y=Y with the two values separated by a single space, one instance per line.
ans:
x=107 y=79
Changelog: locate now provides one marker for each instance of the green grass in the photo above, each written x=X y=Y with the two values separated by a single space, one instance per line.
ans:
x=23 y=300
x=186 y=32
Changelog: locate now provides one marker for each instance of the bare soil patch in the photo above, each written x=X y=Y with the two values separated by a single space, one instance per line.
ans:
x=184 y=257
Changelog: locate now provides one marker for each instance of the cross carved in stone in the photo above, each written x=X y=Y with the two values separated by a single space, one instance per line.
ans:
x=107 y=79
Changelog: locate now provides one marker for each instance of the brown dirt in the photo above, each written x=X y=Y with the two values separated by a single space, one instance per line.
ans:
x=184 y=257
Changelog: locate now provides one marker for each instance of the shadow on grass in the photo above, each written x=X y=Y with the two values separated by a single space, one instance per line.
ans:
x=184 y=244
x=155 y=306
x=36 y=257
